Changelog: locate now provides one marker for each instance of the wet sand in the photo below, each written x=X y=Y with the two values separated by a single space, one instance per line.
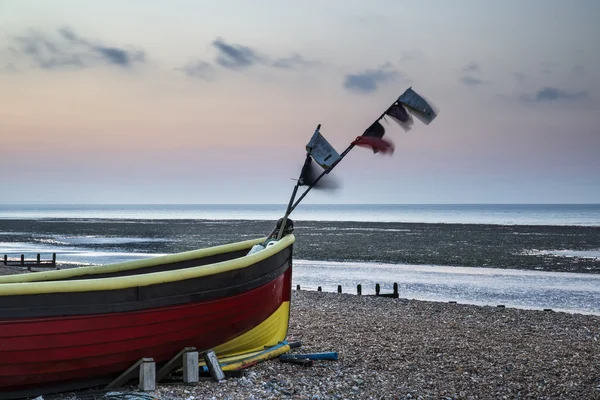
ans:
x=494 y=246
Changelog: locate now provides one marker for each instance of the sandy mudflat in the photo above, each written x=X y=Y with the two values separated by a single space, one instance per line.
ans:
x=395 y=348
x=464 y=245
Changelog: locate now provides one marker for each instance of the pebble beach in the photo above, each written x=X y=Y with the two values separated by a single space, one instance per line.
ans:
x=405 y=349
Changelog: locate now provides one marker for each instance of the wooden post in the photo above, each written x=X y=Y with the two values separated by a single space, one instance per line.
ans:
x=339 y=288
x=38 y=258
x=377 y=289
x=54 y=259
x=297 y=287
x=5 y=259
x=22 y=259
x=190 y=367
x=396 y=290
x=213 y=365
x=358 y=289
x=147 y=376
x=319 y=289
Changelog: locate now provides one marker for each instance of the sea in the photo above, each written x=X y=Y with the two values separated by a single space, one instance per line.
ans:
x=560 y=291
x=504 y=214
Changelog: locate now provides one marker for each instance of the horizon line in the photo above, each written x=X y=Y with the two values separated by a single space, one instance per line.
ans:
x=277 y=204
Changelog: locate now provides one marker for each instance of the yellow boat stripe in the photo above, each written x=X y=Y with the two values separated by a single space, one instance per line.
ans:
x=123 y=282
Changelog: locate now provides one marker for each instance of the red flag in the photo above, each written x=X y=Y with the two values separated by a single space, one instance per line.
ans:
x=377 y=144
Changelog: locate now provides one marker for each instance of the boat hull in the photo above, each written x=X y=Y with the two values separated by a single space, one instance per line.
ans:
x=235 y=312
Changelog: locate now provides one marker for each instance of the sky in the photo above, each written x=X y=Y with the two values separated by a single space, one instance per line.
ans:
x=213 y=102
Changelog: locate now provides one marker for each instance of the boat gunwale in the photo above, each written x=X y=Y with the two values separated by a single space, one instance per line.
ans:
x=29 y=287
x=130 y=265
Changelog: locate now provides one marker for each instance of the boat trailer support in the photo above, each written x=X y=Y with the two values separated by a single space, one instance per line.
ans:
x=210 y=358
x=146 y=368
x=186 y=358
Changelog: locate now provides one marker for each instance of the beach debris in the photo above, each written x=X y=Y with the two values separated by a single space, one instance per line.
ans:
x=330 y=355
x=128 y=396
x=305 y=362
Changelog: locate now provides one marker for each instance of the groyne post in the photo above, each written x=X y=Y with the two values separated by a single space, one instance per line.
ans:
x=319 y=289
x=5 y=259
x=396 y=290
x=339 y=288
x=297 y=287
x=39 y=260
x=377 y=289
x=359 y=289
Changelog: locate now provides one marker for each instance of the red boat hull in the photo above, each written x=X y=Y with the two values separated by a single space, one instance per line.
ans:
x=48 y=351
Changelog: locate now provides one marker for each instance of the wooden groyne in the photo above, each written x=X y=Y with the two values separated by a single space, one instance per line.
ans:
x=36 y=263
x=394 y=294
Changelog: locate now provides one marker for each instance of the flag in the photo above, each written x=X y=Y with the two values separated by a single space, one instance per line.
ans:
x=418 y=106
x=310 y=173
x=321 y=151
x=399 y=114
x=373 y=137
x=377 y=144
x=375 y=130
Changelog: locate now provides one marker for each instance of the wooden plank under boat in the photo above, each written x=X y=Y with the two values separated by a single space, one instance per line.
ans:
x=67 y=329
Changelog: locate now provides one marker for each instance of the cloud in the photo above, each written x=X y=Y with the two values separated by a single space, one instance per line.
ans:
x=553 y=94
x=199 y=69
x=293 y=62
x=468 y=79
x=369 y=80
x=472 y=67
x=69 y=50
x=472 y=81
x=235 y=56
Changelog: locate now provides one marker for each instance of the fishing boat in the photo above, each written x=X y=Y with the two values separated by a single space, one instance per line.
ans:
x=75 y=328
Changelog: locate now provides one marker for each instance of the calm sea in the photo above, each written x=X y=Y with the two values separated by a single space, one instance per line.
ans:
x=504 y=214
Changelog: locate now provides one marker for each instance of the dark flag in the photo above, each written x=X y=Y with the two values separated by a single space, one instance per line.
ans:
x=373 y=138
x=375 y=130
x=399 y=114
x=309 y=174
